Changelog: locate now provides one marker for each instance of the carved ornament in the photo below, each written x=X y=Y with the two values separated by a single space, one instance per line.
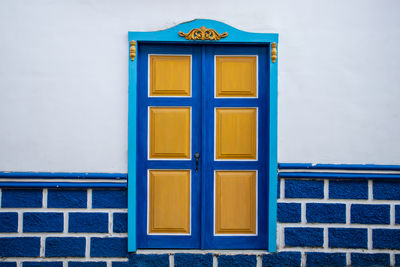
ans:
x=132 y=50
x=203 y=34
x=273 y=52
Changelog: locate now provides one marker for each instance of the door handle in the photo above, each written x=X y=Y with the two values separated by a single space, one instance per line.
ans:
x=197 y=156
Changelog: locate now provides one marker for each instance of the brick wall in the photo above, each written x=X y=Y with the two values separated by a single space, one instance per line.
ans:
x=321 y=222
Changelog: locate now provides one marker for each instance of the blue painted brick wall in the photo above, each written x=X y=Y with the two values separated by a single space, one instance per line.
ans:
x=87 y=264
x=8 y=222
x=314 y=259
x=21 y=198
x=397 y=260
x=142 y=260
x=348 y=189
x=66 y=198
x=386 y=190
x=43 y=222
x=65 y=247
x=347 y=238
x=304 y=189
x=373 y=259
x=193 y=260
x=85 y=222
x=370 y=214
x=120 y=222
x=289 y=212
x=237 y=260
x=19 y=246
x=120 y=264
x=303 y=237
x=108 y=247
x=325 y=213
x=386 y=238
x=42 y=264
x=292 y=259
x=109 y=199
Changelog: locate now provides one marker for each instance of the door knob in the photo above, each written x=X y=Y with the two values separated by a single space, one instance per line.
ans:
x=197 y=156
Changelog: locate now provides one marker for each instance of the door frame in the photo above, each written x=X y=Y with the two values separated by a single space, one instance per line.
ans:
x=219 y=33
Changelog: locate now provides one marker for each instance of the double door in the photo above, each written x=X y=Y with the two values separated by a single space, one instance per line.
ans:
x=202 y=157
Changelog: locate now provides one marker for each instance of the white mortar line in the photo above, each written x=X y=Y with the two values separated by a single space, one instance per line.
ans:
x=369 y=240
x=105 y=210
x=51 y=259
x=20 y=221
x=325 y=244
x=42 y=245
x=303 y=213
x=392 y=214
x=110 y=222
x=338 y=201
x=1 y=191
x=392 y=259
x=348 y=259
x=326 y=189
x=171 y=260
x=66 y=222
x=282 y=189
x=87 y=247
x=341 y=225
x=44 y=198
x=303 y=259
x=215 y=260
x=348 y=215
x=19 y=264
x=61 y=234
x=370 y=190
x=259 y=261
x=65 y=264
x=108 y=263
x=89 y=198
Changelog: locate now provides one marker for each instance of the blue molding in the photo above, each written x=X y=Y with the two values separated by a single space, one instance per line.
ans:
x=63 y=175
x=62 y=185
x=311 y=166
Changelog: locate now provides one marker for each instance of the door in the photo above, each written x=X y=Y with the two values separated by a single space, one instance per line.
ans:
x=202 y=147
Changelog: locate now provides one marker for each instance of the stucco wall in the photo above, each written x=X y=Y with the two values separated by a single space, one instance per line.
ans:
x=64 y=77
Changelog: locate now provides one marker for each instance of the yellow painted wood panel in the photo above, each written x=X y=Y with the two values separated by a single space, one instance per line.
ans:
x=170 y=75
x=235 y=202
x=236 y=133
x=169 y=132
x=236 y=76
x=169 y=201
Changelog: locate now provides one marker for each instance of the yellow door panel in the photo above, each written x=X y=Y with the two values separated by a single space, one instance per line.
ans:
x=235 y=202
x=169 y=201
x=169 y=132
x=236 y=133
x=170 y=75
x=236 y=76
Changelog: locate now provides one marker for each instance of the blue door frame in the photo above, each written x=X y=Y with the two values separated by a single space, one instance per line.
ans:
x=236 y=37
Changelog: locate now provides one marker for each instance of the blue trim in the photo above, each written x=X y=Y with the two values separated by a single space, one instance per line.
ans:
x=311 y=166
x=330 y=175
x=63 y=175
x=62 y=185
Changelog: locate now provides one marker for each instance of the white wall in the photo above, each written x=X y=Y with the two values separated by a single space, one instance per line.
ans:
x=64 y=77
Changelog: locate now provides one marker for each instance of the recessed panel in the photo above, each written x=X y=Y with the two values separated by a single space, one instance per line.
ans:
x=236 y=76
x=235 y=202
x=169 y=201
x=236 y=133
x=170 y=75
x=169 y=133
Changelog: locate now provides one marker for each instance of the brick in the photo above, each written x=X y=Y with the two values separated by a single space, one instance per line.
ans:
x=237 y=260
x=386 y=190
x=57 y=198
x=109 y=199
x=87 y=264
x=315 y=259
x=364 y=259
x=120 y=222
x=36 y=222
x=8 y=222
x=325 y=213
x=85 y=222
x=195 y=260
x=8 y=264
x=42 y=264
x=304 y=189
x=348 y=189
x=19 y=246
x=21 y=198
x=347 y=238
x=148 y=260
x=397 y=260
x=304 y=237
x=289 y=212
x=282 y=259
x=397 y=213
x=120 y=264
x=370 y=214
x=65 y=247
x=386 y=238
x=108 y=247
